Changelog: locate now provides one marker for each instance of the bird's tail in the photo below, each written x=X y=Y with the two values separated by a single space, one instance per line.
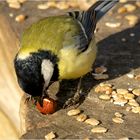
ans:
x=90 y=17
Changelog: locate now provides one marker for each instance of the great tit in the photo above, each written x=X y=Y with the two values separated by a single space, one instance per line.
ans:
x=58 y=47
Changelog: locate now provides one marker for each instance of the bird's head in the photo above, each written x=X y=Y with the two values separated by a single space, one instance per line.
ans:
x=34 y=73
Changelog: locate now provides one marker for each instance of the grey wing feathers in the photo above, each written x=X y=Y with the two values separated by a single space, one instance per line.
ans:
x=90 y=17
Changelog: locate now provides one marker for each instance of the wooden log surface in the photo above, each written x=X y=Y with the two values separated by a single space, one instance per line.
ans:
x=10 y=93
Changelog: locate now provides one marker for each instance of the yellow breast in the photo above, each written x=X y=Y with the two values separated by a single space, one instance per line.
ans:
x=73 y=65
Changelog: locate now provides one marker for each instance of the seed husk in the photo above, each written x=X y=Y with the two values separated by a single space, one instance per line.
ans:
x=117 y=120
x=136 y=92
x=92 y=121
x=99 y=129
x=104 y=97
x=81 y=117
x=50 y=136
x=73 y=112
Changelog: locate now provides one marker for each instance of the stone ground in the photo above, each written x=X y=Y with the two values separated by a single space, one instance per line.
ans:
x=119 y=57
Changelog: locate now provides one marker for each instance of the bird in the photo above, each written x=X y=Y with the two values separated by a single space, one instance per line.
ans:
x=57 y=48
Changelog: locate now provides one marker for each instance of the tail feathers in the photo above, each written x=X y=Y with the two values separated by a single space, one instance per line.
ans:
x=90 y=17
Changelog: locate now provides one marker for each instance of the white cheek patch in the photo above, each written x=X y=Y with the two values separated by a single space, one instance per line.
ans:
x=47 y=69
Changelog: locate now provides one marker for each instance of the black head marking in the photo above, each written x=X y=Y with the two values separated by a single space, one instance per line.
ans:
x=29 y=74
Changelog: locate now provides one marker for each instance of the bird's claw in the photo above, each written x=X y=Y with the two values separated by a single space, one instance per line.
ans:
x=74 y=101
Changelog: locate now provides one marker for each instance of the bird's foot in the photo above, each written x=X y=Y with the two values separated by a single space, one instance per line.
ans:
x=74 y=101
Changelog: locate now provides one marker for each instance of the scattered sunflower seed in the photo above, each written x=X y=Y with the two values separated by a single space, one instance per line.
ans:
x=104 y=97
x=100 y=70
x=133 y=102
x=136 y=92
x=15 y=5
x=100 y=76
x=128 y=108
x=92 y=121
x=120 y=101
x=117 y=120
x=124 y=138
x=130 y=75
x=136 y=109
x=129 y=96
x=73 y=112
x=122 y=10
x=137 y=77
x=99 y=129
x=122 y=91
x=81 y=117
x=130 y=7
x=113 y=25
x=20 y=18
x=117 y=114
x=50 y=136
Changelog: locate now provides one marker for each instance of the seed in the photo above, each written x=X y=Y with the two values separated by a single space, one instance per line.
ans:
x=104 y=97
x=103 y=89
x=122 y=10
x=100 y=70
x=50 y=136
x=123 y=1
x=117 y=120
x=113 y=25
x=117 y=114
x=73 y=112
x=128 y=108
x=124 y=138
x=99 y=129
x=11 y=15
x=105 y=84
x=130 y=7
x=132 y=34
x=92 y=121
x=133 y=102
x=123 y=39
x=122 y=91
x=81 y=117
x=130 y=75
x=62 y=5
x=133 y=19
x=101 y=76
x=20 y=18
x=15 y=5
x=136 y=92
x=136 y=109
x=120 y=101
x=138 y=3
x=22 y=1
x=137 y=77
x=129 y=96
x=42 y=6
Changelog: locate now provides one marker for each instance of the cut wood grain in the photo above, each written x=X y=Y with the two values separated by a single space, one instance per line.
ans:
x=10 y=93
